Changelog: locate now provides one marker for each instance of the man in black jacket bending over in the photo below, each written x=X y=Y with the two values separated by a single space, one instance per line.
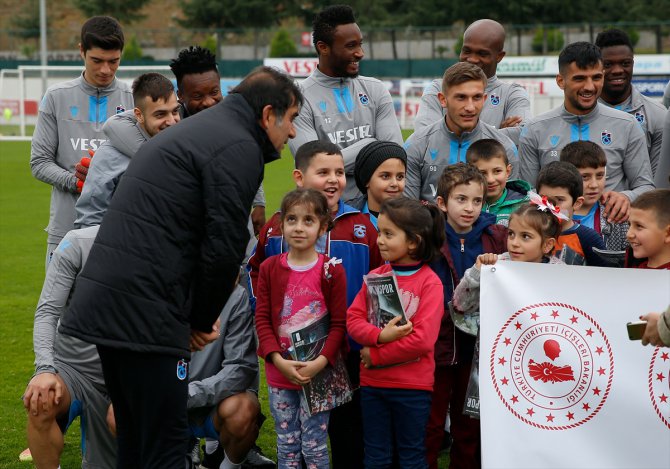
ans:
x=166 y=257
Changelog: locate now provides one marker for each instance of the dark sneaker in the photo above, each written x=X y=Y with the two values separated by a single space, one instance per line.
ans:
x=214 y=460
x=446 y=443
x=257 y=460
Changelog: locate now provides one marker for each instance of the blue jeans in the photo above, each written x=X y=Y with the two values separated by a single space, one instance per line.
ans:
x=395 y=414
x=298 y=434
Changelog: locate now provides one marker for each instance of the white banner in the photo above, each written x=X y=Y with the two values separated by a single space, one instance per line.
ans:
x=547 y=65
x=297 y=67
x=561 y=385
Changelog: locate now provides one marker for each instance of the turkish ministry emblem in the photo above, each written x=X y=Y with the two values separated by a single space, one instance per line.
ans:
x=552 y=366
x=606 y=137
x=659 y=384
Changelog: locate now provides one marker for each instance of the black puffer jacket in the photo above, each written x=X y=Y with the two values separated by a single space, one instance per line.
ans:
x=170 y=246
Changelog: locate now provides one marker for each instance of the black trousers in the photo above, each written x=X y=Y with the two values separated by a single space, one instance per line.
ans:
x=149 y=393
x=345 y=428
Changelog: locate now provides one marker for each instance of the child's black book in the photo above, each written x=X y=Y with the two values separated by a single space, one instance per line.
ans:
x=611 y=258
x=331 y=387
x=570 y=257
x=471 y=405
x=384 y=302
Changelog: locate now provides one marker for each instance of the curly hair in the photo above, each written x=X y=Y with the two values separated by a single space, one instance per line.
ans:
x=193 y=59
x=327 y=20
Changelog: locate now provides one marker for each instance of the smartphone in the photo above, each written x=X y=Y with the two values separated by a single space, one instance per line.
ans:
x=636 y=329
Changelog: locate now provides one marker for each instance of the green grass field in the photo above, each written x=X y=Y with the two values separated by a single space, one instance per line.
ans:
x=24 y=212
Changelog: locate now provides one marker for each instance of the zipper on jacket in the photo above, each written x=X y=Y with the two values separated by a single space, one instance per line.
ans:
x=462 y=244
x=579 y=126
x=97 y=107
x=453 y=338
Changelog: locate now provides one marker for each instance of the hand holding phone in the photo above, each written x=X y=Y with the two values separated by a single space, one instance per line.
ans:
x=636 y=329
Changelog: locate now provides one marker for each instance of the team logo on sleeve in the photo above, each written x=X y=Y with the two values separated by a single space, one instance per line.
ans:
x=323 y=105
x=554 y=139
x=359 y=230
x=495 y=99
x=552 y=366
x=182 y=369
x=74 y=111
x=606 y=137
x=363 y=98
x=433 y=153
x=659 y=384
x=120 y=109
x=640 y=117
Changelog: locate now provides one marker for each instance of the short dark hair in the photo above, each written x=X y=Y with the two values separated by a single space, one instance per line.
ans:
x=564 y=175
x=486 y=149
x=584 y=54
x=584 y=154
x=103 y=32
x=462 y=72
x=307 y=151
x=153 y=85
x=269 y=86
x=459 y=173
x=423 y=224
x=311 y=198
x=542 y=221
x=327 y=20
x=193 y=60
x=613 y=37
x=656 y=201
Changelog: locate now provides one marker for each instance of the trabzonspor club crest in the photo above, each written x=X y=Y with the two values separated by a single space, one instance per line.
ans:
x=606 y=137
x=552 y=366
x=659 y=384
x=495 y=99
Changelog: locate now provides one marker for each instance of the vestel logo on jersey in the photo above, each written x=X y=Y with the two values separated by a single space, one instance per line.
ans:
x=84 y=144
x=350 y=135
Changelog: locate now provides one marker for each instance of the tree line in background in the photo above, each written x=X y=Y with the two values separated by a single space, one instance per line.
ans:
x=391 y=15
x=378 y=13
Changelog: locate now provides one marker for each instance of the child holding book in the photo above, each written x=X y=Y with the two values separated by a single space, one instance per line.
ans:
x=461 y=191
x=397 y=362
x=351 y=238
x=297 y=288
